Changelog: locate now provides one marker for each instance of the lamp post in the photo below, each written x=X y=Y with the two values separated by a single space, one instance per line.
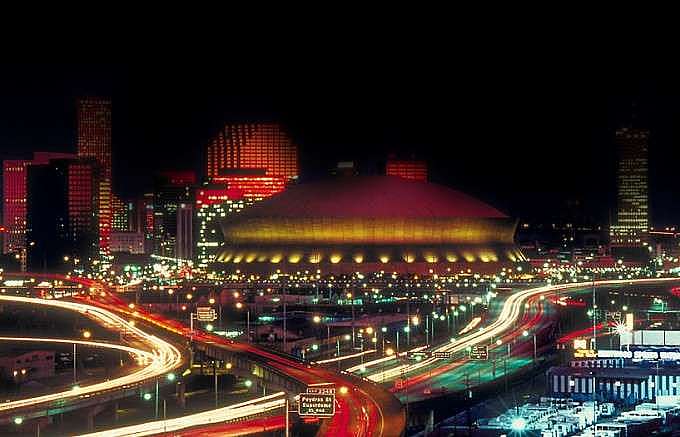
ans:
x=86 y=335
x=351 y=298
x=317 y=320
x=284 y=323
x=526 y=334
x=384 y=331
x=408 y=316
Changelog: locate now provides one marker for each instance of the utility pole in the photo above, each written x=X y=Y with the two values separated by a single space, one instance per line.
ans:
x=156 y=399
x=75 y=378
x=215 y=373
x=351 y=296
x=427 y=329
x=287 y=432
x=248 y=325
x=408 y=317
x=284 y=332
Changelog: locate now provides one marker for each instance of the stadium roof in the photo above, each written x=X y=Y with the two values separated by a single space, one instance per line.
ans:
x=372 y=196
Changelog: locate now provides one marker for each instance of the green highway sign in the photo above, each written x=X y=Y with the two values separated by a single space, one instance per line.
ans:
x=479 y=353
x=320 y=405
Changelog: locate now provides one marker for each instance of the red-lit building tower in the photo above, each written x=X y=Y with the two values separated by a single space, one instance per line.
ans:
x=14 y=200
x=253 y=146
x=94 y=141
x=407 y=168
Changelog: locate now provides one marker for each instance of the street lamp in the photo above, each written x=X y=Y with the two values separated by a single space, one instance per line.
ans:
x=86 y=334
x=349 y=296
x=239 y=306
x=317 y=320
x=526 y=334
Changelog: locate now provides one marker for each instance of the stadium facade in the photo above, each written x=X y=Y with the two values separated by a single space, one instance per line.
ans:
x=369 y=223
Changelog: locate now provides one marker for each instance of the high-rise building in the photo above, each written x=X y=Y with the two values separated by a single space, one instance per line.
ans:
x=171 y=189
x=14 y=200
x=122 y=212
x=407 y=169
x=632 y=213
x=62 y=225
x=184 y=243
x=247 y=146
x=144 y=220
x=94 y=141
x=213 y=203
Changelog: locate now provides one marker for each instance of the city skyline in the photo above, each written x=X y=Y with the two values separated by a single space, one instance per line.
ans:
x=577 y=131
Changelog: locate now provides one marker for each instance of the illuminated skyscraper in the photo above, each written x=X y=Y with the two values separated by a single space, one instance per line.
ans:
x=120 y=212
x=632 y=213
x=407 y=169
x=94 y=141
x=253 y=146
x=14 y=200
x=184 y=243
x=213 y=203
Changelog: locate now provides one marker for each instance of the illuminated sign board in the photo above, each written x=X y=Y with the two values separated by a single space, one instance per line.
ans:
x=320 y=405
x=630 y=322
x=585 y=353
x=14 y=283
x=441 y=355
x=614 y=354
x=640 y=355
x=418 y=355
x=479 y=353
x=645 y=355
x=580 y=343
x=205 y=314
x=321 y=390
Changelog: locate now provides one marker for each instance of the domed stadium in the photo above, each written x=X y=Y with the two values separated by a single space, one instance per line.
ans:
x=369 y=223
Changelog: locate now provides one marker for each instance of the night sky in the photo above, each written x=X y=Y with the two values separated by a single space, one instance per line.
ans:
x=530 y=139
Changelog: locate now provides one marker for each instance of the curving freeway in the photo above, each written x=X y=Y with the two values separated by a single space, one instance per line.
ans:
x=506 y=324
x=364 y=410
x=239 y=411
x=160 y=358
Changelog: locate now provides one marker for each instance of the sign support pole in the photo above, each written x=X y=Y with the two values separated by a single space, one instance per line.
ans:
x=287 y=420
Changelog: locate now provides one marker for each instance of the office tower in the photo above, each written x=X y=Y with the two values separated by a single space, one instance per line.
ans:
x=632 y=213
x=184 y=243
x=94 y=141
x=171 y=189
x=14 y=201
x=407 y=169
x=213 y=203
x=144 y=220
x=62 y=226
x=122 y=215
x=249 y=146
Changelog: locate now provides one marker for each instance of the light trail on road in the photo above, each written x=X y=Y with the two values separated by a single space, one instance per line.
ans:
x=233 y=412
x=142 y=356
x=512 y=309
x=162 y=358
